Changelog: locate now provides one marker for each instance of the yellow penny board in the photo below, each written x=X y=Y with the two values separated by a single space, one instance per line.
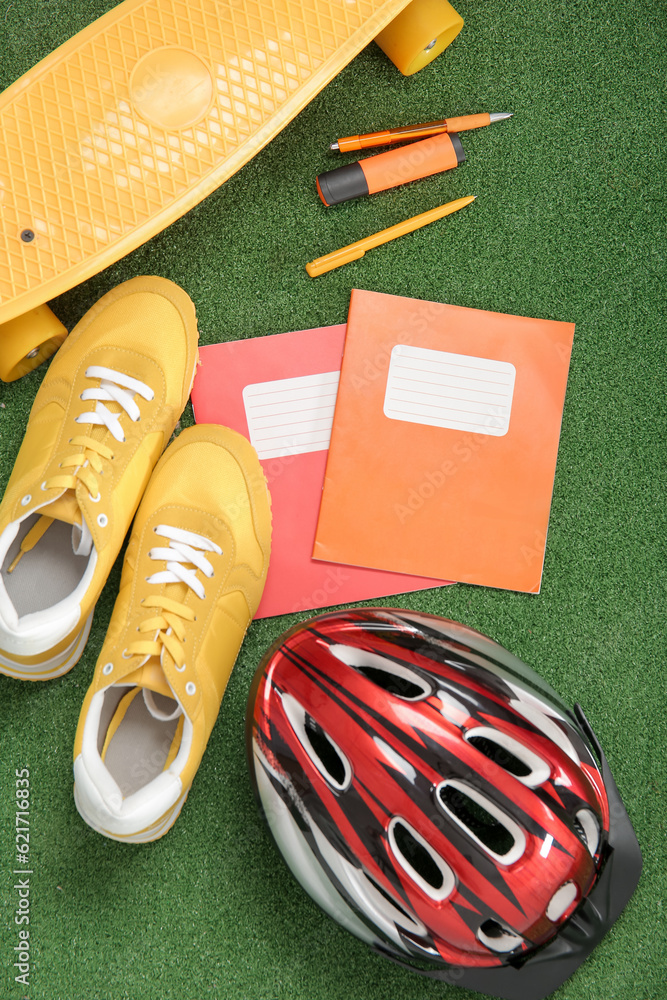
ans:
x=141 y=115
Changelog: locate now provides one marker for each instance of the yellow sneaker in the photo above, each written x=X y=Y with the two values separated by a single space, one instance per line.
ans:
x=192 y=579
x=102 y=416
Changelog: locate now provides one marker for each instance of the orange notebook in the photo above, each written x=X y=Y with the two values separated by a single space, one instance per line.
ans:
x=444 y=442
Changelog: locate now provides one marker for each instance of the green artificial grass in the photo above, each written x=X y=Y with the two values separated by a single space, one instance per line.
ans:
x=568 y=225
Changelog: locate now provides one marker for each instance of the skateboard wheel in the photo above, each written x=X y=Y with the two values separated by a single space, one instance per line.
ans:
x=27 y=341
x=419 y=34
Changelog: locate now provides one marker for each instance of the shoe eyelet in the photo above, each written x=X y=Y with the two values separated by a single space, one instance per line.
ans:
x=102 y=520
x=26 y=500
x=190 y=688
x=126 y=655
x=95 y=499
x=107 y=668
x=181 y=669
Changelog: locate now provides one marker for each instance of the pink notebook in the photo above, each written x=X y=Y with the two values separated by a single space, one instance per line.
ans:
x=280 y=393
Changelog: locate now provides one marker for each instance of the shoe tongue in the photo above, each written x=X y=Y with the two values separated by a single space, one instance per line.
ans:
x=151 y=678
x=65 y=508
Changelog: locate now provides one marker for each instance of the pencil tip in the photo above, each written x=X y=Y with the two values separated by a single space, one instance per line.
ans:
x=499 y=116
x=334 y=145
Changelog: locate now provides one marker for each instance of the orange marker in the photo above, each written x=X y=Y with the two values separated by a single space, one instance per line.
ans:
x=355 y=251
x=386 y=170
x=408 y=132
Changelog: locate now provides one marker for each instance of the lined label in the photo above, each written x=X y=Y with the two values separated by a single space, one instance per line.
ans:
x=291 y=416
x=457 y=391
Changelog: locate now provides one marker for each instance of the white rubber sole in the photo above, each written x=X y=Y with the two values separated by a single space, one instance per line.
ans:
x=51 y=668
x=154 y=832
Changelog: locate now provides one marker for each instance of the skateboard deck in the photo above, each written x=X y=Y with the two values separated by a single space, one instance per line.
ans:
x=144 y=113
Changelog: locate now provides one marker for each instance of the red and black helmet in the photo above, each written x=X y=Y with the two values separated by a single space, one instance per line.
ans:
x=437 y=798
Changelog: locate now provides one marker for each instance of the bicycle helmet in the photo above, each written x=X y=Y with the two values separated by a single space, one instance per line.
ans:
x=435 y=796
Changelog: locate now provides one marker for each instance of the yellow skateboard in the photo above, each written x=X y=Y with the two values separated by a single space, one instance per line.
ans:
x=141 y=115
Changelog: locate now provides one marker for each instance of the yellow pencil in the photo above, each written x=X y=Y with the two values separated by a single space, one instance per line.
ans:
x=357 y=250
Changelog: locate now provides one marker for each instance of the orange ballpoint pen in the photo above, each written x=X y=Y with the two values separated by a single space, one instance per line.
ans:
x=408 y=132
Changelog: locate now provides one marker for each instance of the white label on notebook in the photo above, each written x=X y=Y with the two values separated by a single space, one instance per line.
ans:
x=291 y=416
x=457 y=391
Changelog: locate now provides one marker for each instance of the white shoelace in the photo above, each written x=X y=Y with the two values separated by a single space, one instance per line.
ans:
x=86 y=464
x=114 y=387
x=184 y=547
x=167 y=626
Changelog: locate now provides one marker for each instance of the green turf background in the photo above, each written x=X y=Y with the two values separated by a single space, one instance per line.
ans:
x=568 y=225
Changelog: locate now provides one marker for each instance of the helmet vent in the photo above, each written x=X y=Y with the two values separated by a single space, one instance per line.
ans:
x=417 y=856
x=327 y=757
x=327 y=753
x=588 y=829
x=479 y=821
x=400 y=685
x=488 y=825
x=419 y=860
x=508 y=753
x=394 y=678
x=561 y=901
x=498 y=938
x=499 y=755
